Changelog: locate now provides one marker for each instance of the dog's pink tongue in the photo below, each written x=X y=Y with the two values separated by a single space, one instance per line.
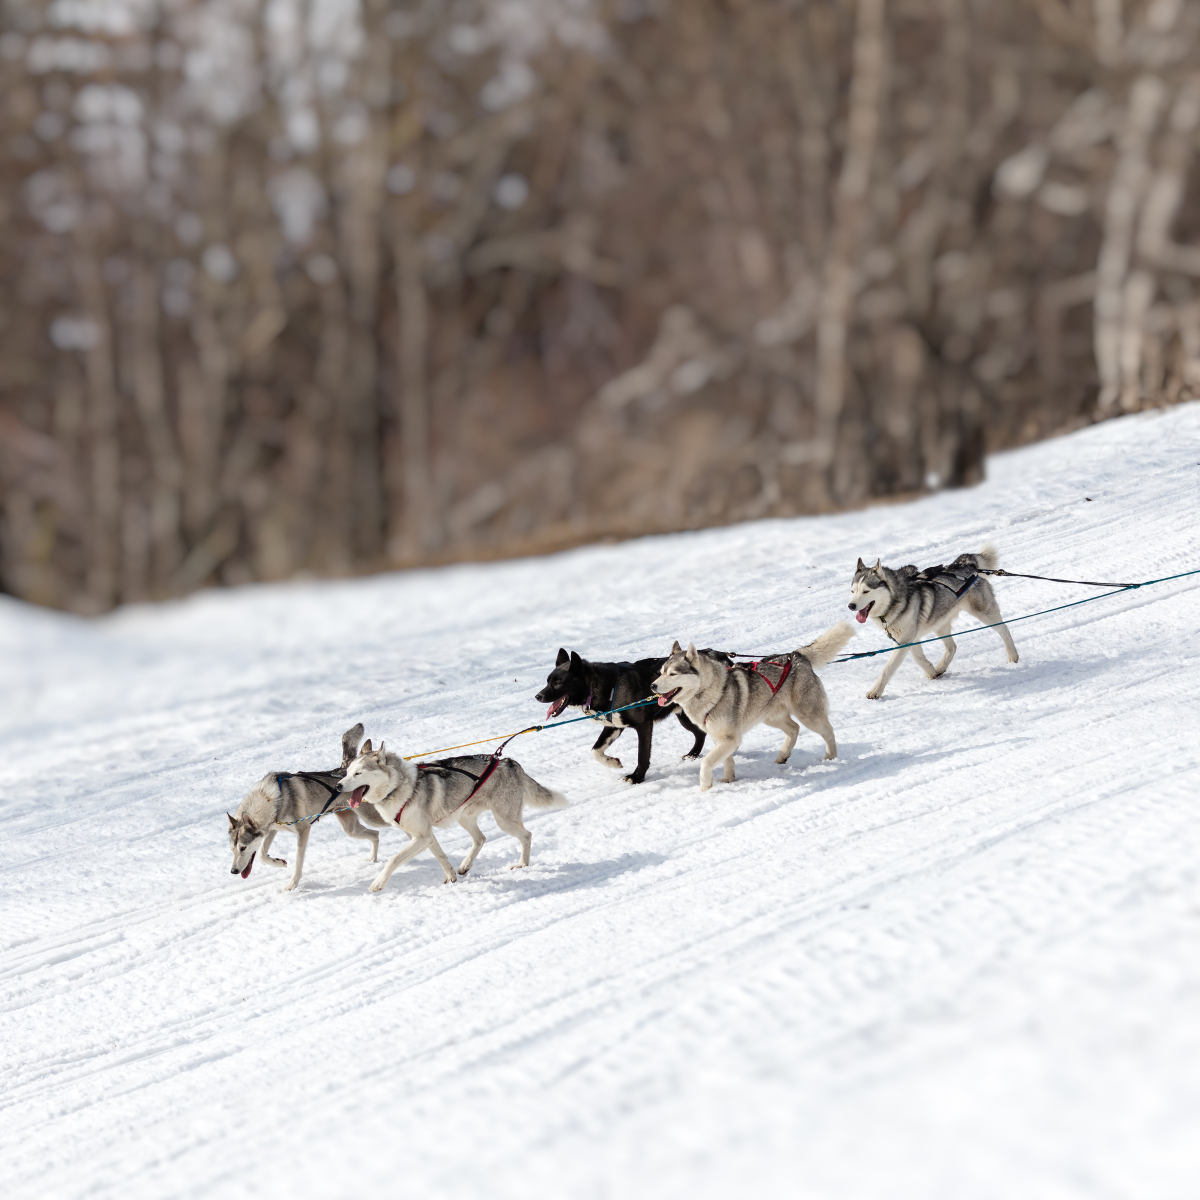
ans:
x=555 y=708
x=246 y=872
x=861 y=616
x=356 y=796
x=663 y=700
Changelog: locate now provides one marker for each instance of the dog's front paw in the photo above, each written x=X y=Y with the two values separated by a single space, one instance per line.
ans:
x=517 y=867
x=634 y=777
x=274 y=862
x=290 y=887
x=875 y=693
x=692 y=754
x=377 y=885
x=780 y=759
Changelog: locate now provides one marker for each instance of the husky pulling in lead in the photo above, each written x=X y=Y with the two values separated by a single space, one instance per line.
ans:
x=598 y=687
x=910 y=605
x=729 y=701
x=423 y=798
x=282 y=800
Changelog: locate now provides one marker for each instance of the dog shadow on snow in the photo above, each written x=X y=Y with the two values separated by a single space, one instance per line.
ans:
x=534 y=880
x=855 y=762
x=1003 y=680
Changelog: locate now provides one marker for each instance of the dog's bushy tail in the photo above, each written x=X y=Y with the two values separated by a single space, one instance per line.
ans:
x=988 y=557
x=537 y=796
x=821 y=651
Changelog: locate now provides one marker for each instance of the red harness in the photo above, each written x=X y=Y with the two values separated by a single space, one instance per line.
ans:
x=480 y=780
x=787 y=670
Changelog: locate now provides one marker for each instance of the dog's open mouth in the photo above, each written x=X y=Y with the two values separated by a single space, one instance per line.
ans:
x=356 y=796
x=556 y=708
x=667 y=697
x=863 y=613
x=246 y=872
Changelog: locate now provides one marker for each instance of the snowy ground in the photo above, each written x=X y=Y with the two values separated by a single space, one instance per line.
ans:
x=962 y=961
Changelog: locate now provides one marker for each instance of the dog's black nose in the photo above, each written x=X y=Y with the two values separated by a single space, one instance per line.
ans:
x=233 y=870
x=850 y=607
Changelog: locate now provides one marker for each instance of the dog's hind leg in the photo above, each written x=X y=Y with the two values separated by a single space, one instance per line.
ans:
x=514 y=826
x=645 y=736
x=262 y=850
x=695 y=730
x=302 y=833
x=398 y=860
x=471 y=824
x=992 y=617
x=892 y=666
x=353 y=828
x=985 y=606
x=791 y=731
x=605 y=740
x=819 y=724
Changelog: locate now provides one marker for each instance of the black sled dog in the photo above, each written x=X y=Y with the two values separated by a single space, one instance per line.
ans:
x=601 y=687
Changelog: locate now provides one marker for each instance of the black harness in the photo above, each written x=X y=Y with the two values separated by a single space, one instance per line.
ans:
x=333 y=792
x=608 y=707
x=939 y=575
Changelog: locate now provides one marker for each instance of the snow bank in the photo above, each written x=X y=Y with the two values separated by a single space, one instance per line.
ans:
x=960 y=961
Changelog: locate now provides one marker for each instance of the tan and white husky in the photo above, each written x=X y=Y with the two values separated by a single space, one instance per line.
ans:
x=420 y=798
x=727 y=701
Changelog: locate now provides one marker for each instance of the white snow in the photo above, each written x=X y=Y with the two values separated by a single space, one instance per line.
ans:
x=962 y=961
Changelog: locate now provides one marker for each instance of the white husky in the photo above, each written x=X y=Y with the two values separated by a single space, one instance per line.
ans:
x=910 y=604
x=727 y=701
x=420 y=797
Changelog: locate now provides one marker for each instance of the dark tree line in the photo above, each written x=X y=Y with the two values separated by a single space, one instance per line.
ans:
x=307 y=287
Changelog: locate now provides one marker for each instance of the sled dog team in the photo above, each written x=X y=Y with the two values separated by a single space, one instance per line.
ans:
x=706 y=690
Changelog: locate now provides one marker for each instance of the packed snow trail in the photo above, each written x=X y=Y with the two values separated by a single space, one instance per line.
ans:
x=961 y=961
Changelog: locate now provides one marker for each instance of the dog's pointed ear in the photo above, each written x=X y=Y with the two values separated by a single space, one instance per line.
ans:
x=862 y=566
x=365 y=748
x=878 y=564
x=232 y=822
x=350 y=741
x=563 y=657
x=382 y=749
x=675 y=646
x=691 y=651
x=576 y=661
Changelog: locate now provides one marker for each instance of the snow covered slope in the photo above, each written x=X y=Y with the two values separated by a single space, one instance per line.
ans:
x=961 y=961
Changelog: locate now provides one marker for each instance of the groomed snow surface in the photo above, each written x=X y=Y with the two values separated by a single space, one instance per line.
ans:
x=962 y=961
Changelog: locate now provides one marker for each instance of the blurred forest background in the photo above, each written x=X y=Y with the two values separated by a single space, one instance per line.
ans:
x=323 y=286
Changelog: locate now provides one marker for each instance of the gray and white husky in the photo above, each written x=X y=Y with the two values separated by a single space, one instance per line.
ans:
x=420 y=798
x=910 y=605
x=728 y=701
x=282 y=799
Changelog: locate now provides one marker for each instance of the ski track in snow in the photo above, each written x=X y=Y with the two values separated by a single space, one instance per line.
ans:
x=959 y=962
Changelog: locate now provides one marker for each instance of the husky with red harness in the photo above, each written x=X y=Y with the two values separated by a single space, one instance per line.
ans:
x=728 y=701
x=422 y=797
